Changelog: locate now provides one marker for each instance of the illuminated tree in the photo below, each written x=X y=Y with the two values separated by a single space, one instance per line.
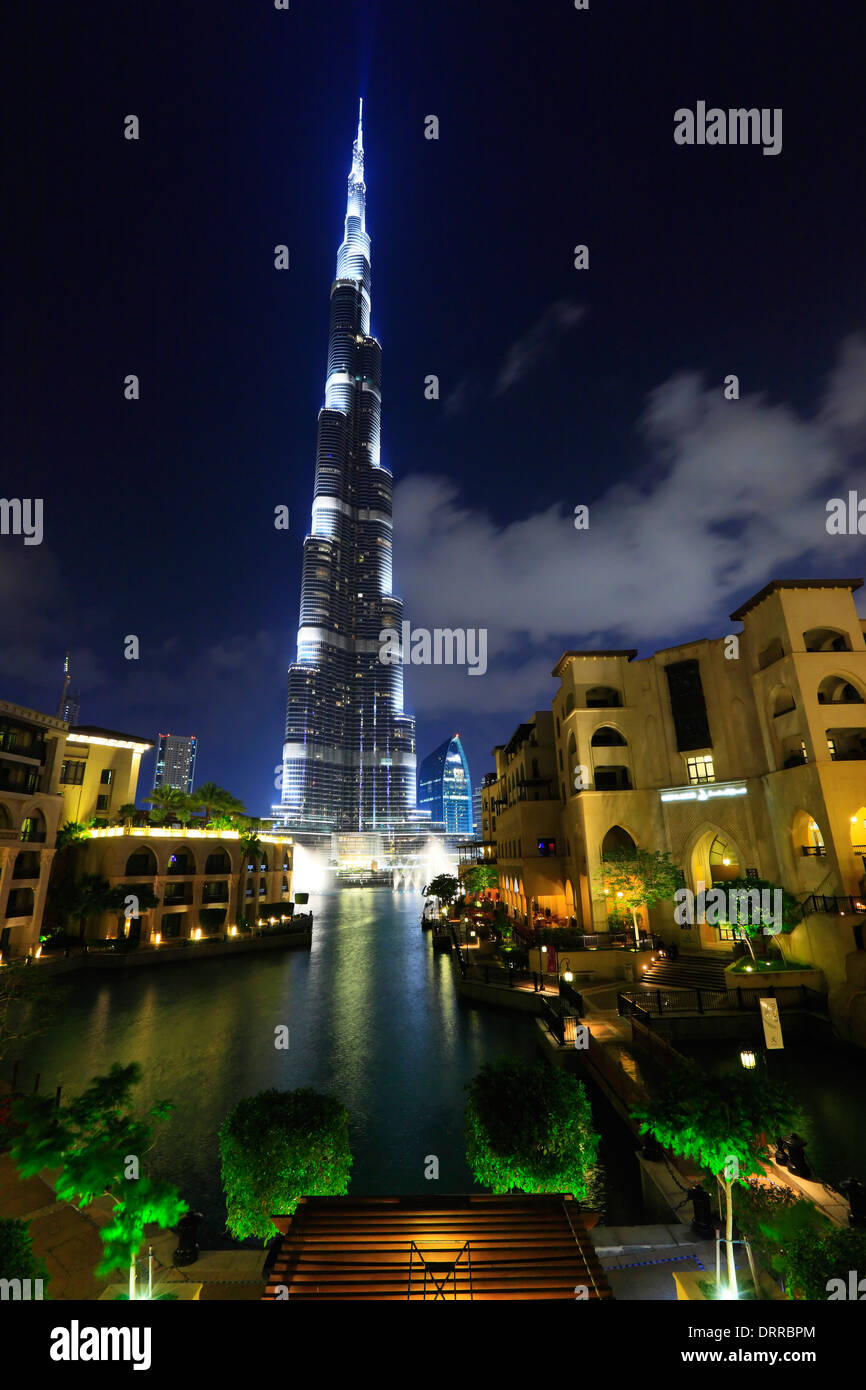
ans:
x=748 y=918
x=529 y=1128
x=17 y=1260
x=99 y=1145
x=170 y=803
x=444 y=887
x=721 y=1124
x=277 y=1147
x=636 y=878
x=480 y=877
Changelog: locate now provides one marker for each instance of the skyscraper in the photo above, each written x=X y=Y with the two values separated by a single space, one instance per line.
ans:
x=349 y=751
x=445 y=789
x=69 y=706
x=175 y=762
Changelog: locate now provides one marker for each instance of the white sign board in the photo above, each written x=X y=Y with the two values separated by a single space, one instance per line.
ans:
x=772 y=1025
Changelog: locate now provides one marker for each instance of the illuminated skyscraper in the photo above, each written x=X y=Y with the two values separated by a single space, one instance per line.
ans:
x=349 y=752
x=444 y=788
x=175 y=762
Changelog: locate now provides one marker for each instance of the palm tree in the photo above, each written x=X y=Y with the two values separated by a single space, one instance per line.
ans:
x=92 y=893
x=171 y=803
x=212 y=798
x=251 y=846
x=127 y=812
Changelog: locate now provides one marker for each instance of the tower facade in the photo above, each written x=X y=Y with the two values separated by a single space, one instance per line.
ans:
x=349 y=750
x=175 y=762
x=445 y=789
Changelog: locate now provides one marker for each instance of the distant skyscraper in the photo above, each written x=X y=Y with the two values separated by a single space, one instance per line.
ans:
x=348 y=759
x=175 y=762
x=69 y=707
x=444 y=788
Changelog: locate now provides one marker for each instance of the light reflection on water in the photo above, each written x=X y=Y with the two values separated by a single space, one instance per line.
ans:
x=373 y=1018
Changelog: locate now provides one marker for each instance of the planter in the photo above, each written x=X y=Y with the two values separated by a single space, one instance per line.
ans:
x=181 y=1292
x=774 y=979
x=687 y=1284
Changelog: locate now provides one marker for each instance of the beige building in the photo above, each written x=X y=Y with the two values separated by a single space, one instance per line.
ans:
x=203 y=879
x=742 y=755
x=99 y=772
x=31 y=811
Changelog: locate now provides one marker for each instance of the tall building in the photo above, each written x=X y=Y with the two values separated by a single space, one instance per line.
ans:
x=175 y=762
x=445 y=789
x=69 y=706
x=349 y=751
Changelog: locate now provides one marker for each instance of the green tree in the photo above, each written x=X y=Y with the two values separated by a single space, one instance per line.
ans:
x=147 y=901
x=744 y=911
x=170 y=803
x=277 y=1147
x=127 y=812
x=215 y=800
x=444 y=887
x=721 y=1123
x=636 y=878
x=77 y=901
x=529 y=1127
x=770 y=1217
x=819 y=1268
x=481 y=877
x=17 y=1260
x=92 y=1141
x=251 y=846
x=72 y=832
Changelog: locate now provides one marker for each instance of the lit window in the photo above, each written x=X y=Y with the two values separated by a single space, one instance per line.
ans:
x=701 y=769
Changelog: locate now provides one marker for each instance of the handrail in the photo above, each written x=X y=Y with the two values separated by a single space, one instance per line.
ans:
x=584 y=1261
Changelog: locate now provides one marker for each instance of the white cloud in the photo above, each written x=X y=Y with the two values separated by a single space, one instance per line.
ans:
x=732 y=494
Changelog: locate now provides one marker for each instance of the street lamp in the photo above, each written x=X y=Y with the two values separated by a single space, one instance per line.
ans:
x=747 y=1059
x=543 y=963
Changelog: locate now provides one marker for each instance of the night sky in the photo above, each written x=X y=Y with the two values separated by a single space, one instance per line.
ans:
x=558 y=386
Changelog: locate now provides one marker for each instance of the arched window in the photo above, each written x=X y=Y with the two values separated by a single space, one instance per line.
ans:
x=616 y=838
x=603 y=697
x=826 y=639
x=838 y=690
x=781 y=701
x=606 y=737
x=142 y=862
x=218 y=863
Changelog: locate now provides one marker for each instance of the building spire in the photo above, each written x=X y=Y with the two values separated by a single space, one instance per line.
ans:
x=361 y=125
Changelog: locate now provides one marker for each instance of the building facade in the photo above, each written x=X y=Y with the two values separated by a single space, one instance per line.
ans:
x=743 y=756
x=204 y=879
x=175 y=762
x=31 y=812
x=445 y=787
x=348 y=760
x=99 y=772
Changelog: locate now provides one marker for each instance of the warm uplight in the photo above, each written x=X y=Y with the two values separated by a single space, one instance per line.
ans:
x=748 y=970
x=234 y=931
x=198 y=933
x=157 y=938
x=726 y=860
x=748 y=1060
x=38 y=952
x=619 y=895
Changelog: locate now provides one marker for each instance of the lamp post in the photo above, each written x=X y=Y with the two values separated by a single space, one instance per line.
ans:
x=543 y=962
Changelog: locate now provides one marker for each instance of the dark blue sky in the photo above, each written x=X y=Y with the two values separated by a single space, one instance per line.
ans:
x=558 y=387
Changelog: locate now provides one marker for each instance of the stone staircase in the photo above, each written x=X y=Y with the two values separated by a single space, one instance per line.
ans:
x=686 y=972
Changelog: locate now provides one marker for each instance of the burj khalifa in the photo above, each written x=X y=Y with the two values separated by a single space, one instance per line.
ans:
x=348 y=758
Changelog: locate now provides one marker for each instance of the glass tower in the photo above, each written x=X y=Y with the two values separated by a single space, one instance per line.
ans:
x=349 y=751
x=445 y=789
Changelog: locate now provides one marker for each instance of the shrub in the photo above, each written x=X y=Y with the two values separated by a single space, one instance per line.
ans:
x=529 y=1127
x=17 y=1260
x=810 y=1264
x=277 y=1147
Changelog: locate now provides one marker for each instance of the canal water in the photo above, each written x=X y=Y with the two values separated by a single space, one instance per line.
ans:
x=373 y=1019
